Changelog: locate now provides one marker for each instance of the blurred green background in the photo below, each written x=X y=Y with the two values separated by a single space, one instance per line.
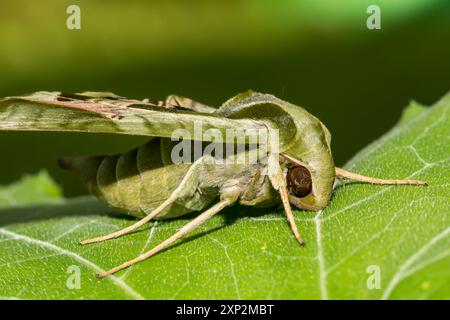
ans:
x=315 y=53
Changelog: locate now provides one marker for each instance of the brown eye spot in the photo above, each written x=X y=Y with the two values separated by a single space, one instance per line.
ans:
x=299 y=181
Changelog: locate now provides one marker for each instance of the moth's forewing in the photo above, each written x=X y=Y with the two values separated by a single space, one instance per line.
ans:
x=103 y=113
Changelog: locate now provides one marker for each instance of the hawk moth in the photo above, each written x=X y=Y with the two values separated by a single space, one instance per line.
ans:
x=147 y=184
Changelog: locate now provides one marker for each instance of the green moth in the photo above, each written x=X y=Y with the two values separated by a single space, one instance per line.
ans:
x=293 y=166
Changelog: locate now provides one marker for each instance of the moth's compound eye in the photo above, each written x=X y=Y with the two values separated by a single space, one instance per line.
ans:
x=299 y=181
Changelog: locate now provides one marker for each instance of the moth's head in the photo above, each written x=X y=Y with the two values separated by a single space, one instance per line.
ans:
x=309 y=184
x=309 y=167
x=303 y=142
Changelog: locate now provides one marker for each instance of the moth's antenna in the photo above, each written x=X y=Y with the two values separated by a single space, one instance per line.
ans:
x=133 y=227
x=179 y=234
x=344 y=174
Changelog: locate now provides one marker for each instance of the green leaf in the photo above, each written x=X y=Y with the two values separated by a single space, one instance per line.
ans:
x=414 y=109
x=31 y=189
x=402 y=232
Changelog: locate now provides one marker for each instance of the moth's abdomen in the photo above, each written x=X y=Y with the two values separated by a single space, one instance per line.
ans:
x=107 y=186
x=129 y=181
x=135 y=182
x=159 y=177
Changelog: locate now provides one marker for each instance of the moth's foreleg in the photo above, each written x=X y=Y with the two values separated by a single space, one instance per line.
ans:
x=133 y=227
x=279 y=183
x=194 y=224
x=344 y=174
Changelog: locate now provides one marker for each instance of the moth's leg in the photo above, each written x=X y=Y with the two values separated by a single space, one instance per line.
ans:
x=186 y=186
x=135 y=226
x=279 y=183
x=287 y=208
x=344 y=174
x=194 y=224
x=183 y=102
